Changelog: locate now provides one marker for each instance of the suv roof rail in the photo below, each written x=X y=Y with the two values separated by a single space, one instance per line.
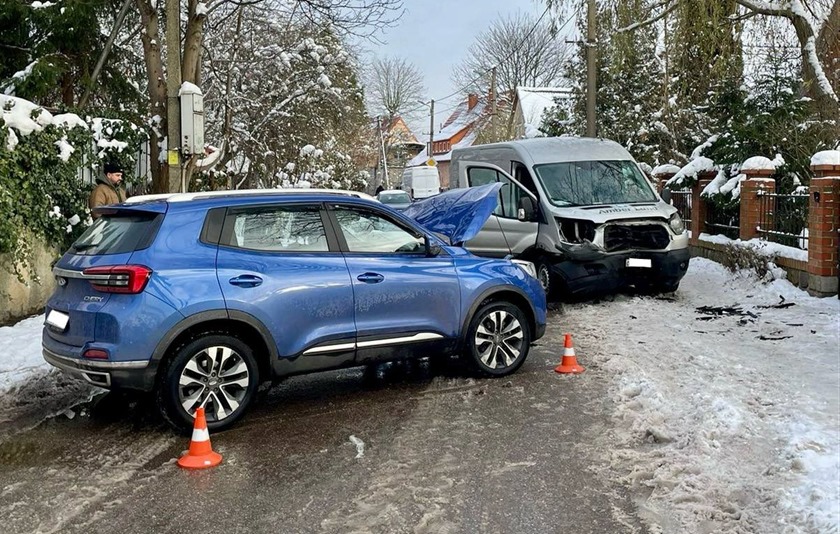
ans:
x=186 y=197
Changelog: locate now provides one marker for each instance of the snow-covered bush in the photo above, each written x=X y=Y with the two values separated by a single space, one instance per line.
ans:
x=282 y=94
x=742 y=258
x=41 y=193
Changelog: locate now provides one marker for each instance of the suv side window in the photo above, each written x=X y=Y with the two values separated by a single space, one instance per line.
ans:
x=509 y=195
x=367 y=231
x=276 y=229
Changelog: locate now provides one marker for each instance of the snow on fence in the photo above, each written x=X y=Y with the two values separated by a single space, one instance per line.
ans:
x=799 y=229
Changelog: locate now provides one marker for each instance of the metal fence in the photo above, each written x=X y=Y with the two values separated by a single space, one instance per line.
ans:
x=783 y=219
x=136 y=182
x=723 y=220
x=682 y=201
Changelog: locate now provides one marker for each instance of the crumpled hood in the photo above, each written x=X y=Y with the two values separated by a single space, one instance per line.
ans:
x=458 y=214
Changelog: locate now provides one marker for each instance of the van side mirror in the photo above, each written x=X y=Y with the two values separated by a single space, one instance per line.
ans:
x=666 y=195
x=527 y=211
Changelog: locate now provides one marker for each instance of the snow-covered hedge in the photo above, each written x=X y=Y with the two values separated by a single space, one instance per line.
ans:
x=41 y=195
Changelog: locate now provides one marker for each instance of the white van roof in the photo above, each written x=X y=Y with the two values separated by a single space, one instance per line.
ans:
x=561 y=149
x=421 y=169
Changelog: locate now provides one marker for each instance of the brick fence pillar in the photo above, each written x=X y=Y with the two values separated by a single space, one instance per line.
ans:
x=758 y=183
x=823 y=227
x=698 y=205
x=662 y=174
x=660 y=179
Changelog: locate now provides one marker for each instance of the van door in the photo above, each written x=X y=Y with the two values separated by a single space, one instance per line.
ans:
x=503 y=233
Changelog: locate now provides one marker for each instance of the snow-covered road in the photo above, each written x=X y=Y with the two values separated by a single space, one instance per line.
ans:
x=725 y=400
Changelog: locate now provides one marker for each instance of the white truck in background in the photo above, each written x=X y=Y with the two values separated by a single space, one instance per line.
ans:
x=421 y=182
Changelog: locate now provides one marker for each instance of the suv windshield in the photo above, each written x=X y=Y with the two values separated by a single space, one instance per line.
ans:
x=116 y=235
x=588 y=183
x=394 y=198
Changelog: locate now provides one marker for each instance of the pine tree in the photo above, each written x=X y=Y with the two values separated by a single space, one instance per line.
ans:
x=706 y=62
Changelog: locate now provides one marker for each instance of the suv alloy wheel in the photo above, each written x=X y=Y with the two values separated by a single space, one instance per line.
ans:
x=216 y=371
x=498 y=339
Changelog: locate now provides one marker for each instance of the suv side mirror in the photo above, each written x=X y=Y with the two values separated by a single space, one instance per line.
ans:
x=432 y=250
x=527 y=210
x=666 y=195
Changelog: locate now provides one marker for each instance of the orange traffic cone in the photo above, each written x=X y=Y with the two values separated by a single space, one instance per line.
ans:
x=569 y=362
x=201 y=454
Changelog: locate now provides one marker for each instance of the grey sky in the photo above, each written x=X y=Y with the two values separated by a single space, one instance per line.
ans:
x=435 y=34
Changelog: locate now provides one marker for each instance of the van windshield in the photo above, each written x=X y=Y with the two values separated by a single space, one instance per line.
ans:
x=589 y=183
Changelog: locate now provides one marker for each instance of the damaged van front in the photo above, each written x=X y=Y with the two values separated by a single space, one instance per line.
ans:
x=581 y=210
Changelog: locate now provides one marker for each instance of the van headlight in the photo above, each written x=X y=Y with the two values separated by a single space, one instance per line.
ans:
x=676 y=223
x=526 y=266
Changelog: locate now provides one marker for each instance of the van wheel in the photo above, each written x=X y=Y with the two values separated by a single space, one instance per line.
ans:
x=498 y=339
x=547 y=280
x=214 y=370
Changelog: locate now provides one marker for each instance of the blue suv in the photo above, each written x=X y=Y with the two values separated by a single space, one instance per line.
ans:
x=201 y=297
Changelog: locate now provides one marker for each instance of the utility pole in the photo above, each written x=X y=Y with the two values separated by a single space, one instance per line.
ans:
x=173 y=85
x=492 y=97
x=591 y=71
x=432 y=130
x=493 y=91
x=384 y=154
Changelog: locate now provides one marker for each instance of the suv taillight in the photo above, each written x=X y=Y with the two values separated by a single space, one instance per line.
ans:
x=129 y=279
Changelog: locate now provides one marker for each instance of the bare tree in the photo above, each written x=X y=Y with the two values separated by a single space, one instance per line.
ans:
x=361 y=18
x=394 y=86
x=524 y=51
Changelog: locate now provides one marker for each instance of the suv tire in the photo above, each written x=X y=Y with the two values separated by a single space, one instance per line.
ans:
x=215 y=369
x=498 y=339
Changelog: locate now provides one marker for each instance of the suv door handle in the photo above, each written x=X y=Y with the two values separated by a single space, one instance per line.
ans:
x=370 y=278
x=246 y=280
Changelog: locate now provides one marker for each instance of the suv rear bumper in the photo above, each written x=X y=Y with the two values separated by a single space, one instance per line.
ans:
x=137 y=374
x=611 y=272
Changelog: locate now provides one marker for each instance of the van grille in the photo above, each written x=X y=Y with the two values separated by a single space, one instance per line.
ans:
x=626 y=237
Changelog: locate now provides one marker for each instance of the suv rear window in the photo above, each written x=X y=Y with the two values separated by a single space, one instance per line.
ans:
x=117 y=234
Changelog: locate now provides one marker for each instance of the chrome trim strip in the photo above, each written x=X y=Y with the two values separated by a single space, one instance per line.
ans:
x=330 y=348
x=82 y=365
x=89 y=376
x=69 y=273
x=423 y=336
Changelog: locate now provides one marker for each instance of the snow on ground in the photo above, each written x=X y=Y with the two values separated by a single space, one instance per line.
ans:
x=726 y=420
x=726 y=395
x=20 y=346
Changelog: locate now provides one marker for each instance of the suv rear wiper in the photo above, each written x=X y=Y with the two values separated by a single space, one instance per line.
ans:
x=83 y=246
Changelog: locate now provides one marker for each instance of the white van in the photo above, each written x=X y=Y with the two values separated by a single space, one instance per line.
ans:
x=580 y=209
x=421 y=182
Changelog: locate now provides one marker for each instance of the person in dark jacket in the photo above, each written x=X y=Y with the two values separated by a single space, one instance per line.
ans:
x=108 y=188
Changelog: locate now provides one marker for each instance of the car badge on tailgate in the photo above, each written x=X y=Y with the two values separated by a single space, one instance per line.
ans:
x=92 y=298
